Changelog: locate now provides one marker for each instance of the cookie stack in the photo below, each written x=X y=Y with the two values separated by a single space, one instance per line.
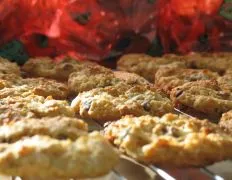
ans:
x=40 y=135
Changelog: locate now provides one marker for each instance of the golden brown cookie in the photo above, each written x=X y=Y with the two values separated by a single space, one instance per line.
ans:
x=145 y=65
x=218 y=62
x=99 y=77
x=21 y=91
x=58 y=127
x=91 y=78
x=32 y=106
x=44 y=157
x=228 y=72
x=41 y=90
x=40 y=66
x=46 y=87
x=169 y=78
x=8 y=80
x=226 y=121
x=113 y=102
x=7 y=67
x=172 y=140
x=46 y=67
x=130 y=78
x=225 y=82
x=70 y=65
x=203 y=96
x=37 y=86
x=9 y=73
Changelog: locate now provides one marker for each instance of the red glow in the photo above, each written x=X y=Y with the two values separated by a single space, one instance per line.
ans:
x=177 y=22
x=23 y=19
x=183 y=22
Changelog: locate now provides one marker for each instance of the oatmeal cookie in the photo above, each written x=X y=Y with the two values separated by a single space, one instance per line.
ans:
x=218 y=62
x=46 y=87
x=130 y=78
x=169 y=78
x=98 y=76
x=69 y=65
x=37 y=86
x=58 y=127
x=22 y=91
x=7 y=67
x=113 y=102
x=228 y=72
x=40 y=66
x=226 y=121
x=146 y=66
x=90 y=78
x=46 y=67
x=8 y=80
x=225 y=82
x=204 y=96
x=15 y=108
x=172 y=140
x=44 y=157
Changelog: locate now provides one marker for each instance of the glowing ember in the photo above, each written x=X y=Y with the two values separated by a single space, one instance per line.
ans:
x=93 y=28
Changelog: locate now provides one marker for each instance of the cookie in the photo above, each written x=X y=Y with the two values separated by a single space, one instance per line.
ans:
x=37 y=86
x=7 y=67
x=15 y=108
x=90 y=78
x=130 y=78
x=58 y=127
x=225 y=82
x=46 y=67
x=46 y=87
x=169 y=78
x=146 y=66
x=113 y=102
x=172 y=140
x=99 y=77
x=40 y=66
x=22 y=91
x=228 y=72
x=226 y=121
x=46 y=158
x=203 y=96
x=70 y=65
x=8 y=80
x=218 y=62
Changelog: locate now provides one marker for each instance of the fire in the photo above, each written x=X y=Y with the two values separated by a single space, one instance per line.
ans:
x=92 y=28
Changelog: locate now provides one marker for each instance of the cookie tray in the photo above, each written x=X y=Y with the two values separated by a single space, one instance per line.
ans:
x=132 y=170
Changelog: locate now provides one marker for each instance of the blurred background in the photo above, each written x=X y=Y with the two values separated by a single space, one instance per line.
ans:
x=102 y=30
